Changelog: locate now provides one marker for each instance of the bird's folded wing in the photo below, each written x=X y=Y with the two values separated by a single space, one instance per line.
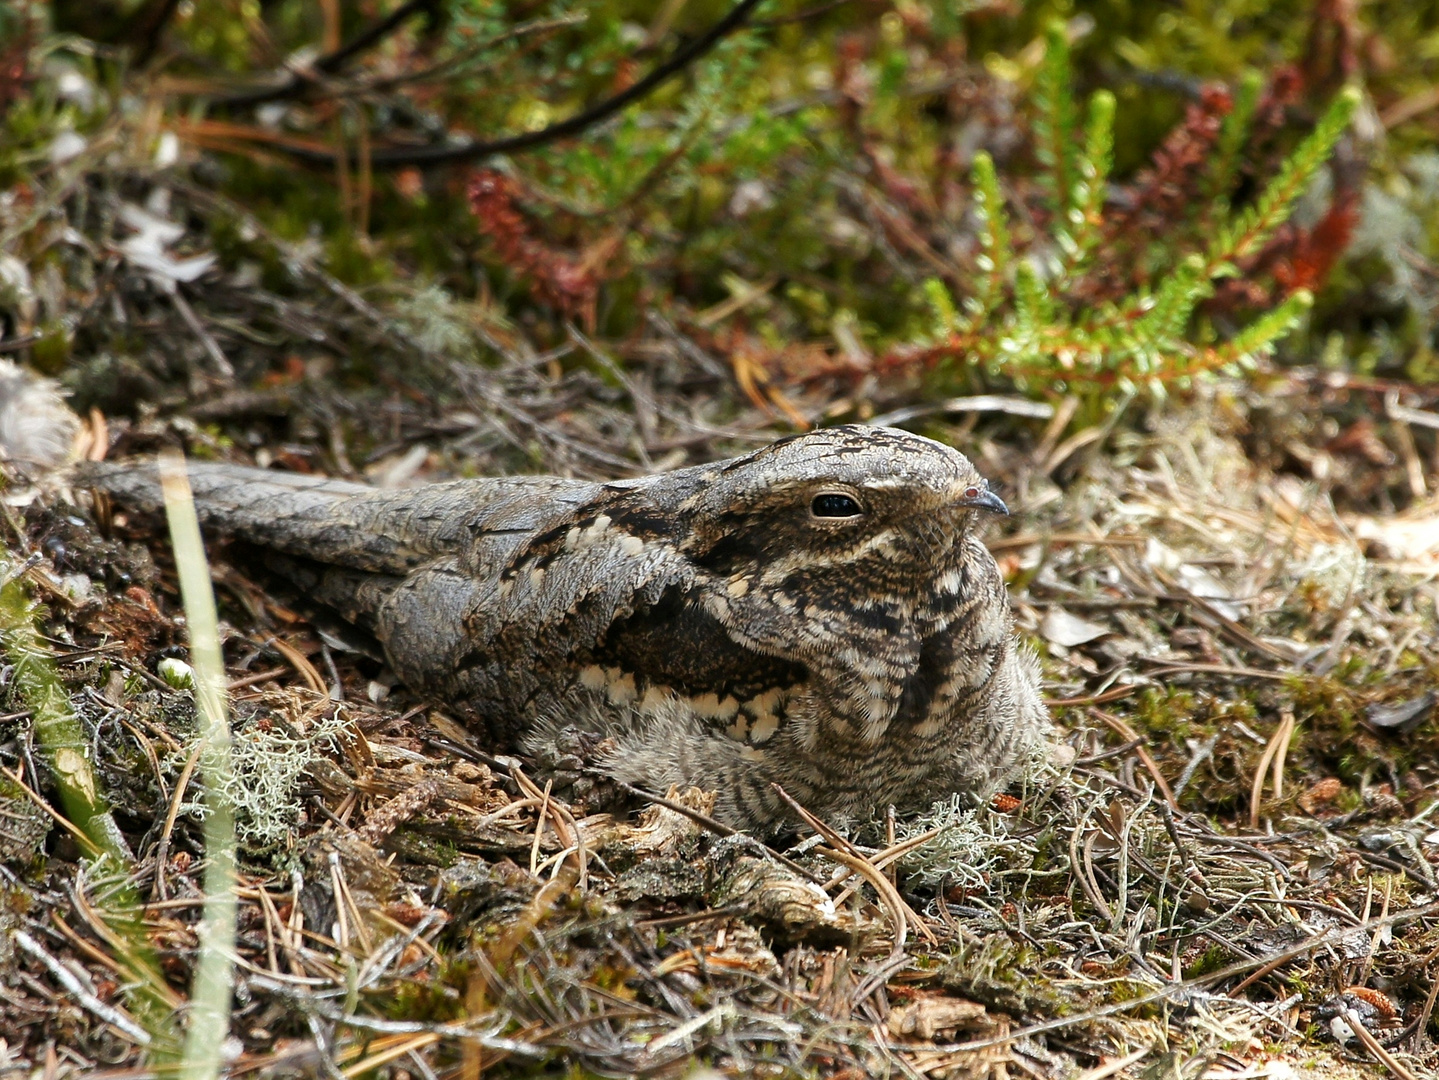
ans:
x=679 y=645
x=577 y=570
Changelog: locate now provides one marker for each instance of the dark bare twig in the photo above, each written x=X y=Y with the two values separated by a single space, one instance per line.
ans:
x=373 y=35
x=15 y=344
x=450 y=153
x=151 y=31
x=333 y=62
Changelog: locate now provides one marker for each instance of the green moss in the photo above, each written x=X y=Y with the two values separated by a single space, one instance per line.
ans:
x=52 y=352
x=1166 y=711
x=434 y=1002
x=1214 y=958
x=1124 y=990
x=1000 y=974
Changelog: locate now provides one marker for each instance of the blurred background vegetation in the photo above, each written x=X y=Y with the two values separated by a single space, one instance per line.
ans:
x=845 y=207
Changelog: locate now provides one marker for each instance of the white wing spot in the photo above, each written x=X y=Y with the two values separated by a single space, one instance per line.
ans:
x=764 y=728
x=655 y=699
x=621 y=686
x=593 y=533
x=711 y=707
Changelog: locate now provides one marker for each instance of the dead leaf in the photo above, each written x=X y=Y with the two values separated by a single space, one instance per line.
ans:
x=1403 y=716
x=1059 y=627
x=1322 y=793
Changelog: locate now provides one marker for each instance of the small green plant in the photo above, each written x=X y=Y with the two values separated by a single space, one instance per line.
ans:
x=1029 y=319
x=110 y=867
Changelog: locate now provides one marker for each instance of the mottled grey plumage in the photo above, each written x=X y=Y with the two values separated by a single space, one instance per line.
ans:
x=708 y=620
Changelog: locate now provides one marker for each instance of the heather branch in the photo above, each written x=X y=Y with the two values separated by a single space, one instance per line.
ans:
x=1055 y=123
x=946 y=318
x=1232 y=137
x=1249 y=232
x=1175 y=302
x=995 y=252
x=1087 y=214
x=1257 y=339
x=1031 y=314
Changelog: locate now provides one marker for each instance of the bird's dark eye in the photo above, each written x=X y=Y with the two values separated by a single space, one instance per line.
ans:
x=835 y=506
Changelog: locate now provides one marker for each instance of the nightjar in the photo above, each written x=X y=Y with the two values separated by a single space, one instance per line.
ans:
x=818 y=614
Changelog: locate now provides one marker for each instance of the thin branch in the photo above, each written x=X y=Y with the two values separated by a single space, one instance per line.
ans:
x=373 y=35
x=706 y=822
x=453 y=152
x=331 y=63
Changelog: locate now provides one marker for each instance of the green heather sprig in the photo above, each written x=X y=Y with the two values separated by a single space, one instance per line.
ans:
x=1078 y=234
x=1252 y=227
x=1019 y=323
x=1055 y=122
x=995 y=253
x=1231 y=140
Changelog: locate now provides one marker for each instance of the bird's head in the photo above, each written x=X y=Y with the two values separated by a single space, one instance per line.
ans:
x=834 y=502
x=845 y=550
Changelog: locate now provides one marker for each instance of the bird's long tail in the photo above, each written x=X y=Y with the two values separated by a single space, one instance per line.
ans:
x=313 y=518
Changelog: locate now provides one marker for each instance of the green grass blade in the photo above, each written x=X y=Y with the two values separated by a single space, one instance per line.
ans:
x=209 y=1021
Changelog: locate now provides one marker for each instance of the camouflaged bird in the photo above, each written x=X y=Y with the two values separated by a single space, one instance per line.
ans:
x=818 y=614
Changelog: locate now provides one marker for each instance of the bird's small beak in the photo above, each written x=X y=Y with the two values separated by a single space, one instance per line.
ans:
x=985 y=500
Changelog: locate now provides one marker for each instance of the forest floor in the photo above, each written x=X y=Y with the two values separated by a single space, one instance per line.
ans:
x=1226 y=869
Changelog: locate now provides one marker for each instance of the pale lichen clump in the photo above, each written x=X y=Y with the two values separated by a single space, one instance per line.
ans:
x=1333 y=573
x=969 y=842
x=271 y=754
x=972 y=842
